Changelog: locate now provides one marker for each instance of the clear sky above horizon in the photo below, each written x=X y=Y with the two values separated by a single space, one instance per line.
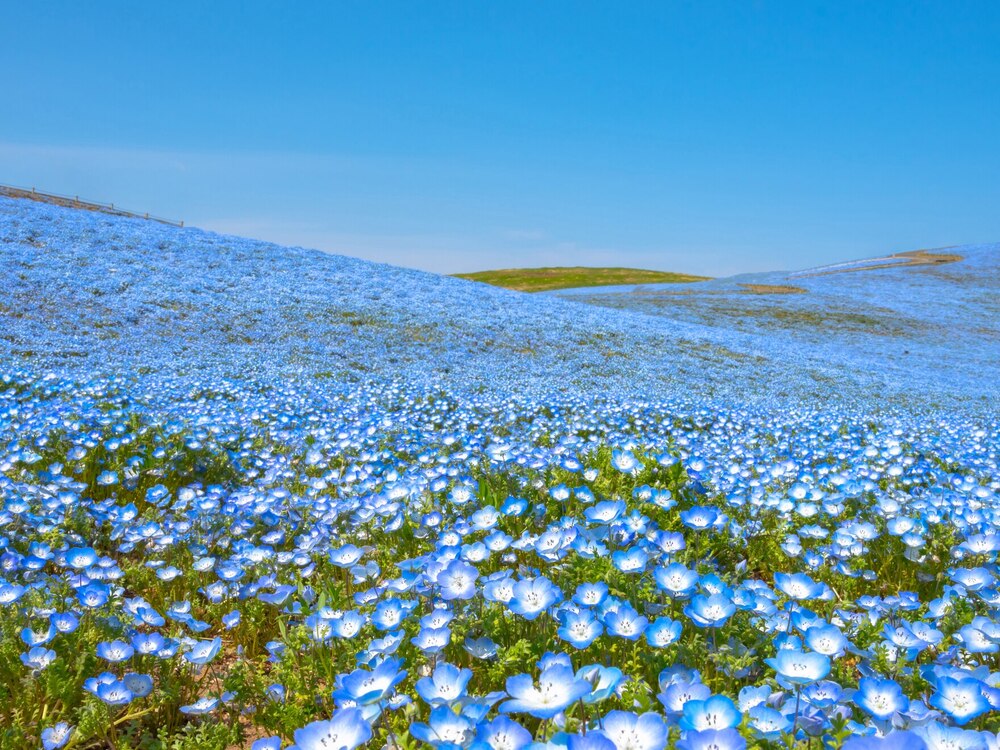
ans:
x=706 y=137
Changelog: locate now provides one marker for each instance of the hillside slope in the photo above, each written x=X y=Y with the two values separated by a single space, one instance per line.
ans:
x=88 y=294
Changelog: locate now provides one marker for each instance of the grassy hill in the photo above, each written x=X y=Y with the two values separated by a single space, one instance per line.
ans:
x=570 y=277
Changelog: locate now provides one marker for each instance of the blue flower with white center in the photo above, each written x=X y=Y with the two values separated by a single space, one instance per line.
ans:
x=798 y=667
x=80 y=557
x=625 y=462
x=232 y=619
x=605 y=512
x=677 y=580
x=629 y=731
x=625 y=622
x=591 y=594
x=716 y=712
x=579 y=628
x=797 y=586
x=712 y=739
x=432 y=640
x=458 y=581
x=203 y=652
x=962 y=699
x=701 y=517
x=364 y=687
x=880 y=699
x=481 y=648
x=679 y=692
x=56 y=736
x=827 y=640
x=345 y=730
x=444 y=728
x=201 y=706
x=140 y=685
x=114 y=693
x=603 y=681
x=533 y=596
x=346 y=556
x=592 y=740
x=557 y=689
x=710 y=611
x=630 y=561
x=941 y=737
x=663 y=632
x=767 y=723
x=38 y=658
x=115 y=651
x=445 y=686
x=503 y=733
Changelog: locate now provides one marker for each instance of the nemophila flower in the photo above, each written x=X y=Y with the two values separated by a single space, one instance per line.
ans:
x=364 y=687
x=503 y=733
x=716 y=712
x=822 y=694
x=679 y=693
x=961 y=699
x=201 y=706
x=767 y=723
x=797 y=586
x=700 y=518
x=481 y=648
x=203 y=652
x=115 y=651
x=881 y=699
x=938 y=736
x=579 y=628
x=446 y=685
x=56 y=736
x=432 y=640
x=444 y=728
x=80 y=557
x=348 y=625
x=710 y=611
x=630 y=561
x=591 y=594
x=458 y=581
x=625 y=462
x=10 y=593
x=625 y=622
x=345 y=730
x=114 y=693
x=533 y=596
x=712 y=739
x=603 y=681
x=107 y=478
x=605 y=512
x=267 y=743
x=232 y=619
x=38 y=658
x=93 y=595
x=140 y=685
x=629 y=731
x=827 y=640
x=346 y=556
x=557 y=689
x=663 y=632
x=798 y=667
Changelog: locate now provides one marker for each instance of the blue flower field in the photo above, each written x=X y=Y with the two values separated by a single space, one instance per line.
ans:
x=266 y=497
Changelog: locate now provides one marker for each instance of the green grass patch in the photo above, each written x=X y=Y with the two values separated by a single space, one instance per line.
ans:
x=570 y=277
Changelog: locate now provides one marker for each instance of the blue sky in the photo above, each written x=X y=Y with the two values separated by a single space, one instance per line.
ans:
x=708 y=137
